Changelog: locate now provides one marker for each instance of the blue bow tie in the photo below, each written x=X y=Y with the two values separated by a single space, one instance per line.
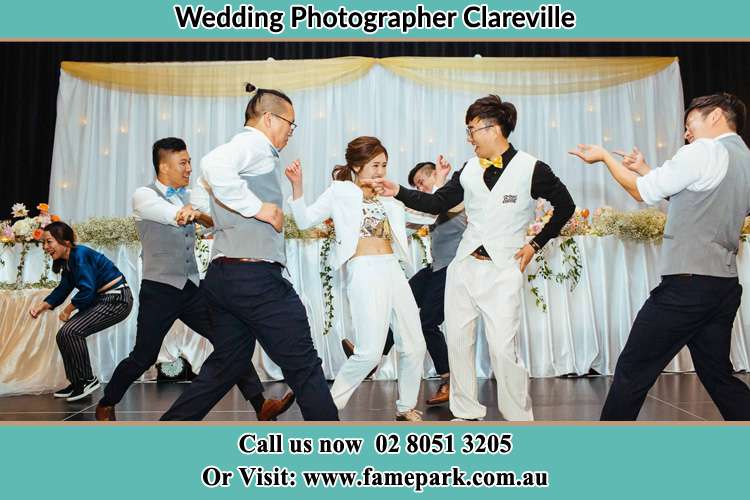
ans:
x=179 y=192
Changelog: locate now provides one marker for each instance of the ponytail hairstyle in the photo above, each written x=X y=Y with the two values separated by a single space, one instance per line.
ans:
x=358 y=152
x=264 y=100
x=64 y=235
x=494 y=111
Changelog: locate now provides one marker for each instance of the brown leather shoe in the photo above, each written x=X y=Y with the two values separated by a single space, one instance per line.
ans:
x=272 y=408
x=348 y=347
x=441 y=396
x=105 y=413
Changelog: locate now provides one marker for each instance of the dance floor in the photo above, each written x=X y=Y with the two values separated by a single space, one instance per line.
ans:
x=674 y=397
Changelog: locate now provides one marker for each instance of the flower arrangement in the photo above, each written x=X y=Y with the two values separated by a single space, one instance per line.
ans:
x=107 y=232
x=26 y=231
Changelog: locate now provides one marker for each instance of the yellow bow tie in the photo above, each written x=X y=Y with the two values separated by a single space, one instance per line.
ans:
x=495 y=162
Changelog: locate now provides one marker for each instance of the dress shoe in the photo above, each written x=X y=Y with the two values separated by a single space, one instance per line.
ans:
x=348 y=347
x=105 y=413
x=272 y=408
x=441 y=396
x=412 y=415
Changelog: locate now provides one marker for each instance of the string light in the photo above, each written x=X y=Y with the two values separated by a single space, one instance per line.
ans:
x=607 y=138
x=84 y=121
x=64 y=185
x=123 y=129
x=429 y=140
x=637 y=118
x=105 y=151
x=590 y=108
x=659 y=144
x=553 y=124
x=164 y=115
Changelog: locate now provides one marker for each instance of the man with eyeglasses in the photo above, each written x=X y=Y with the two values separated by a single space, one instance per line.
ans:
x=485 y=279
x=247 y=296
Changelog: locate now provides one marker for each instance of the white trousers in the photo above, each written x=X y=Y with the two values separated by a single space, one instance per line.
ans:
x=379 y=296
x=477 y=288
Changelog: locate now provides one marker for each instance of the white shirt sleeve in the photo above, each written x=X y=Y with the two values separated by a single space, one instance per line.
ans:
x=699 y=166
x=308 y=216
x=222 y=167
x=147 y=205
x=199 y=197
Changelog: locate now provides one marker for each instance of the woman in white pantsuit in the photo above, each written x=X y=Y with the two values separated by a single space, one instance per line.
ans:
x=370 y=239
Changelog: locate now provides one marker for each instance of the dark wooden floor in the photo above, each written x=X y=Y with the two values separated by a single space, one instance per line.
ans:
x=674 y=397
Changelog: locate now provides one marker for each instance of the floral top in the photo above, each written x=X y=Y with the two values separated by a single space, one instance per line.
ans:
x=374 y=220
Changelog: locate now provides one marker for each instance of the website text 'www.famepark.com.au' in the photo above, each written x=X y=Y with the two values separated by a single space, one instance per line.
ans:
x=369 y=477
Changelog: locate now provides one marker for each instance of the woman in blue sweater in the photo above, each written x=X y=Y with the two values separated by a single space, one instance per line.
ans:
x=103 y=300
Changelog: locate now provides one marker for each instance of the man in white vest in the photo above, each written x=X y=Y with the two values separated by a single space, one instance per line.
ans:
x=707 y=183
x=165 y=212
x=485 y=279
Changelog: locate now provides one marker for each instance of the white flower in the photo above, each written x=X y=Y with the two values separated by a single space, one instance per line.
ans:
x=24 y=228
x=19 y=210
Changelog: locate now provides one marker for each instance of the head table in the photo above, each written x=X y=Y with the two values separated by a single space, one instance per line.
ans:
x=582 y=330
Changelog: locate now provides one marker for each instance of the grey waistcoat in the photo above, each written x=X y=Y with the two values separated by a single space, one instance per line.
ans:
x=703 y=228
x=246 y=237
x=168 y=252
x=445 y=235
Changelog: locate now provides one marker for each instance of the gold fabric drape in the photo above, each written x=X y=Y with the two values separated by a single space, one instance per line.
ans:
x=476 y=74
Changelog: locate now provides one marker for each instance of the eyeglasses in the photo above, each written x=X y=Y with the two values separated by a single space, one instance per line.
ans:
x=292 y=125
x=470 y=132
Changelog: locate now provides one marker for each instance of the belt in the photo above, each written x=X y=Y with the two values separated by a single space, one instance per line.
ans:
x=480 y=254
x=241 y=260
x=116 y=289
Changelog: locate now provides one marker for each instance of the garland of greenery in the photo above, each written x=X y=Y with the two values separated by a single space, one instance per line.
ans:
x=423 y=246
x=571 y=260
x=326 y=279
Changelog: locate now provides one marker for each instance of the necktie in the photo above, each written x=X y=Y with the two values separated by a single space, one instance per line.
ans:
x=495 y=162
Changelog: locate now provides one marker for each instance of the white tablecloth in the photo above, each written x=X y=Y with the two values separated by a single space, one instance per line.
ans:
x=582 y=330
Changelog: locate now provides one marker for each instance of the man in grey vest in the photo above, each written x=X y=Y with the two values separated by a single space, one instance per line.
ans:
x=165 y=212
x=247 y=296
x=707 y=184
x=428 y=285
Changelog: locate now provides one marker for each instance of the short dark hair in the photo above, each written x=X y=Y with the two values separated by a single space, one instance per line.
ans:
x=732 y=106
x=419 y=166
x=493 y=109
x=171 y=144
x=263 y=100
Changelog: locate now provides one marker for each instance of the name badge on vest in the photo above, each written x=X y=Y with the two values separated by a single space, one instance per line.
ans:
x=510 y=198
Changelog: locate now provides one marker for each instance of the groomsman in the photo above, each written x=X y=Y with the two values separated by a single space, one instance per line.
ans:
x=165 y=213
x=428 y=285
x=707 y=184
x=498 y=188
x=247 y=296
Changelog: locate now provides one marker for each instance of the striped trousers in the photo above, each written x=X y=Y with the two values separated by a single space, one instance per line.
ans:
x=108 y=310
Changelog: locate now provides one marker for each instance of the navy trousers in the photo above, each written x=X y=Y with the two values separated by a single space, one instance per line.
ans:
x=251 y=301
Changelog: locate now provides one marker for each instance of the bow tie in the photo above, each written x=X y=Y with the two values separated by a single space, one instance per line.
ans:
x=496 y=162
x=179 y=192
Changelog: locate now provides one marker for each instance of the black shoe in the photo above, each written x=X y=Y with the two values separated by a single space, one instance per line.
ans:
x=64 y=393
x=83 y=390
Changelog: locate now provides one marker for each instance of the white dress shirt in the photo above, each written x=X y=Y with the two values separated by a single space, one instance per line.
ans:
x=147 y=205
x=248 y=153
x=698 y=166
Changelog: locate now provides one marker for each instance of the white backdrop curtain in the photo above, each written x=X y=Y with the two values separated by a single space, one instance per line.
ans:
x=104 y=132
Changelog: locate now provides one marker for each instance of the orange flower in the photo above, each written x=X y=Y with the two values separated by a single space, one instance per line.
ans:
x=423 y=231
x=38 y=234
x=585 y=213
x=328 y=222
x=55 y=218
x=43 y=207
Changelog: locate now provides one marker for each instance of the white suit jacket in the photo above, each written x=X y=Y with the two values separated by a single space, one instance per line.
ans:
x=342 y=202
